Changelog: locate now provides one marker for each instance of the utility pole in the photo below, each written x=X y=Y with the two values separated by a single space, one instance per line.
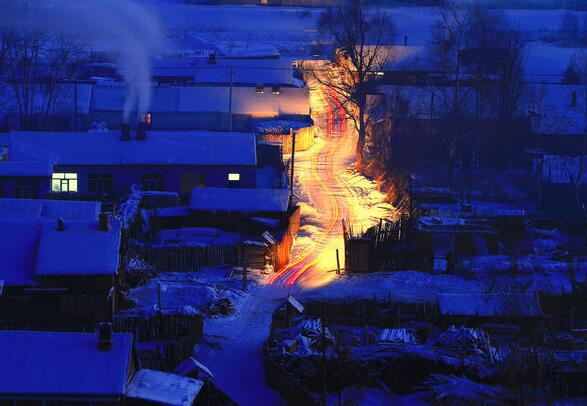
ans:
x=292 y=134
x=245 y=260
x=324 y=375
x=230 y=72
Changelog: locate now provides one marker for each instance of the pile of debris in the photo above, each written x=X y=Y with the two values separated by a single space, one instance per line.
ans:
x=308 y=338
x=468 y=341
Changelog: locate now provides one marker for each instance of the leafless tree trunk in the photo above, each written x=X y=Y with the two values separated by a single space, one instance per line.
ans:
x=360 y=40
x=35 y=65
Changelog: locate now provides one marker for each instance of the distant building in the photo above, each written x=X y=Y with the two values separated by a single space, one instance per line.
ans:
x=206 y=107
x=563 y=182
x=56 y=368
x=99 y=164
x=58 y=261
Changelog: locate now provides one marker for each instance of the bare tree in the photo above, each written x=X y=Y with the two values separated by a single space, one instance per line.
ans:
x=359 y=37
x=480 y=57
x=34 y=66
x=569 y=27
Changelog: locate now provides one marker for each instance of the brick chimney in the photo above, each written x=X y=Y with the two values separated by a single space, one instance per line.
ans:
x=142 y=131
x=125 y=132
x=104 y=222
x=104 y=336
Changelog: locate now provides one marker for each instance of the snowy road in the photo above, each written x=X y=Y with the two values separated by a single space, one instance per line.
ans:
x=329 y=192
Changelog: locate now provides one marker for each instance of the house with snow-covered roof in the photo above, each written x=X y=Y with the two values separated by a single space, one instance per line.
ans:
x=54 y=368
x=58 y=268
x=98 y=164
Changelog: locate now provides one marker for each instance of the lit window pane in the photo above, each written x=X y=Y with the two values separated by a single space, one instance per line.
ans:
x=234 y=176
x=64 y=182
x=56 y=185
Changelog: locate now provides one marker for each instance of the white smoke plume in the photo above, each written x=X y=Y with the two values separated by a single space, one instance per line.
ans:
x=127 y=27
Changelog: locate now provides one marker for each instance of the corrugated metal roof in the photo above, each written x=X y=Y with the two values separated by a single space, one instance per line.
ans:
x=62 y=364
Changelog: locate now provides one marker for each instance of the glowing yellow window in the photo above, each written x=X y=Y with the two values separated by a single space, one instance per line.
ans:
x=234 y=177
x=64 y=183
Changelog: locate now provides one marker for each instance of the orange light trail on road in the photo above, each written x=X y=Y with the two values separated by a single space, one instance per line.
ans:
x=319 y=255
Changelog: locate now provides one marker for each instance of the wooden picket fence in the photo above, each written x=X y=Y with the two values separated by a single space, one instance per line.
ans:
x=182 y=257
x=160 y=327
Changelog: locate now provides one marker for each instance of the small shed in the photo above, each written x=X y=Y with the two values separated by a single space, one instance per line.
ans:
x=162 y=388
x=60 y=366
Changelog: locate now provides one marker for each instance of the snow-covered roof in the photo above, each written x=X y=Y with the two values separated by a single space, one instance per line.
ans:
x=69 y=210
x=240 y=200
x=19 y=243
x=407 y=58
x=248 y=50
x=564 y=169
x=34 y=248
x=200 y=148
x=489 y=305
x=63 y=364
x=163 y=388
x=80 y=249
x=210 y=99
x=191 y=365
x=244 y=71
x=25 y=168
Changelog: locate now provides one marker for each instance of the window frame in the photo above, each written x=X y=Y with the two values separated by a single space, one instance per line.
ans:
x=68 y=182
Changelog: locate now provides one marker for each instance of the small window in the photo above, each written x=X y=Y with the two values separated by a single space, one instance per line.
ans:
x=64 y=183
x=100 y=184
x=152 y=182
x=260 y=89
x=147 y=118
x=234 y=179
x=26 y=189
x=275 y=90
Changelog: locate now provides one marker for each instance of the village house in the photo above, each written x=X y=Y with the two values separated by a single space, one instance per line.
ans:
x=55 y=368
x=108 y=164
x=59 y=261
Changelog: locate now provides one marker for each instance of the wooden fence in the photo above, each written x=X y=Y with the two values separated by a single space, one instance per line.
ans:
x=304 y=139
x=374 y=250
x=182 y=257
x=163 y=327
x=281 y=252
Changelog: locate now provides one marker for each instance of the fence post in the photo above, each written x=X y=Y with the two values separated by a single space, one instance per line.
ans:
x=337 y=263
x=245 y=267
